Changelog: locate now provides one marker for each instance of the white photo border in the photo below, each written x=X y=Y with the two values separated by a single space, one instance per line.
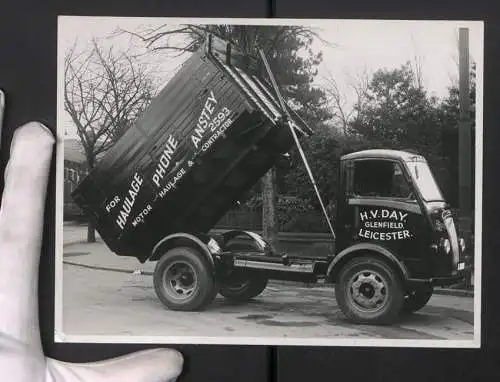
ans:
x=61 y=337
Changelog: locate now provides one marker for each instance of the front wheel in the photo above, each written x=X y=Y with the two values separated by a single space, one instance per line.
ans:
x=417 y=298
x=369 y=291
x=183 y=280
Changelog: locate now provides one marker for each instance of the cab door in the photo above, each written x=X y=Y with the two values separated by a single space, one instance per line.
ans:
x=381 y=207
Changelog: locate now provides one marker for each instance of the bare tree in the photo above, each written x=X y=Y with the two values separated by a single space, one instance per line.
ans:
x=340 y=108
x=104 y=93
x=342 y=105
x=179 y=39
x=360 y=82
x=417 y=65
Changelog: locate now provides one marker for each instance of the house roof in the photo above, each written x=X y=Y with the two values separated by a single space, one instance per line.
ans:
x=73 y=150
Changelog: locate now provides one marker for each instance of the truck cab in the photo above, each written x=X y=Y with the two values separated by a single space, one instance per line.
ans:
x=395 y=240
x=396 y=236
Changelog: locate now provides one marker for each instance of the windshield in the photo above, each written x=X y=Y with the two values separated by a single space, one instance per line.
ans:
x=424 y=180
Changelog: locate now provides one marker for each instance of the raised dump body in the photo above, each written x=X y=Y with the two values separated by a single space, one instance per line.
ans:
x=209 y=136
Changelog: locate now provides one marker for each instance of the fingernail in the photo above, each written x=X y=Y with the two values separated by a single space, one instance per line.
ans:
x=35 y=127
x=37 y=124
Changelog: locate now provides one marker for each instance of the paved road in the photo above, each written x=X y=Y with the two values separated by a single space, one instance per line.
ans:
x=98 y=302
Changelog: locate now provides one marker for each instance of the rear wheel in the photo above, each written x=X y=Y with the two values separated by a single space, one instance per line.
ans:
x=241 y=286
x=417 y=298
x=369 y=291
x=184 y=280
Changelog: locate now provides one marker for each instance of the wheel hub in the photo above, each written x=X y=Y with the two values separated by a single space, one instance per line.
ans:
x=368 y=290
x=180 y=280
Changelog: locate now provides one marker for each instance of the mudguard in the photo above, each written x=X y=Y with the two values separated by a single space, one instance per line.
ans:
x=256 y=238
x=363 y=248
x=181 y=239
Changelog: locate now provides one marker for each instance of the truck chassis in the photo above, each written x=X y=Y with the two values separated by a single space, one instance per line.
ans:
x=370 y=287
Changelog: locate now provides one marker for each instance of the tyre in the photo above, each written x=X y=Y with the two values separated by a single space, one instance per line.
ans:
x=238 y=286
x=183 y=280
x=369 y=291
x=417 y=298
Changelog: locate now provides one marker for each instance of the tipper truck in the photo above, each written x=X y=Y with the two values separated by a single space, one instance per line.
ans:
x=209 y=136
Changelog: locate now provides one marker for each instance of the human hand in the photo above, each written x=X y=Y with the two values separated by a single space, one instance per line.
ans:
x=21 y=226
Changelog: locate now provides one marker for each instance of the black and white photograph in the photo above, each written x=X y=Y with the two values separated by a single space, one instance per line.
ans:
x=269 y=181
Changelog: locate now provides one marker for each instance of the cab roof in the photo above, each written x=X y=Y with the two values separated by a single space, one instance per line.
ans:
x=383 y=153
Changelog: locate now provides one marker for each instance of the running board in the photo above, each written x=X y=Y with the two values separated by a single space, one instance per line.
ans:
x=299 y=268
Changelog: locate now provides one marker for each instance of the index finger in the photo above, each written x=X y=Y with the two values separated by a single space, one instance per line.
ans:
x=21 y=226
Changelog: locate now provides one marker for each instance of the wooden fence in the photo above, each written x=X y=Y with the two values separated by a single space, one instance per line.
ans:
x=309 y=221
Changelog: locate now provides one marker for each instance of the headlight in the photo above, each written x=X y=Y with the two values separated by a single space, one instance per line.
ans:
x=438 y=224
x=461 y=242
x=213 y=246
x=446 y=245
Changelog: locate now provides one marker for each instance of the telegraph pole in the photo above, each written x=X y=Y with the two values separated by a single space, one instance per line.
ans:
x=465 y=162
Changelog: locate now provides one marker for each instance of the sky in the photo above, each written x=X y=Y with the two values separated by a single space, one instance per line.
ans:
x=351 y=48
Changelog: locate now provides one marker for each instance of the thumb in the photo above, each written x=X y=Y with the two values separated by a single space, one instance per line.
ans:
x=158 y=365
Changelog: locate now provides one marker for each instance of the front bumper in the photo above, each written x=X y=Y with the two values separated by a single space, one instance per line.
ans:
x=444 y=280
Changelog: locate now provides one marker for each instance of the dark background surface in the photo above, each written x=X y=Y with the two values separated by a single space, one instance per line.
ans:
x=28 y=53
